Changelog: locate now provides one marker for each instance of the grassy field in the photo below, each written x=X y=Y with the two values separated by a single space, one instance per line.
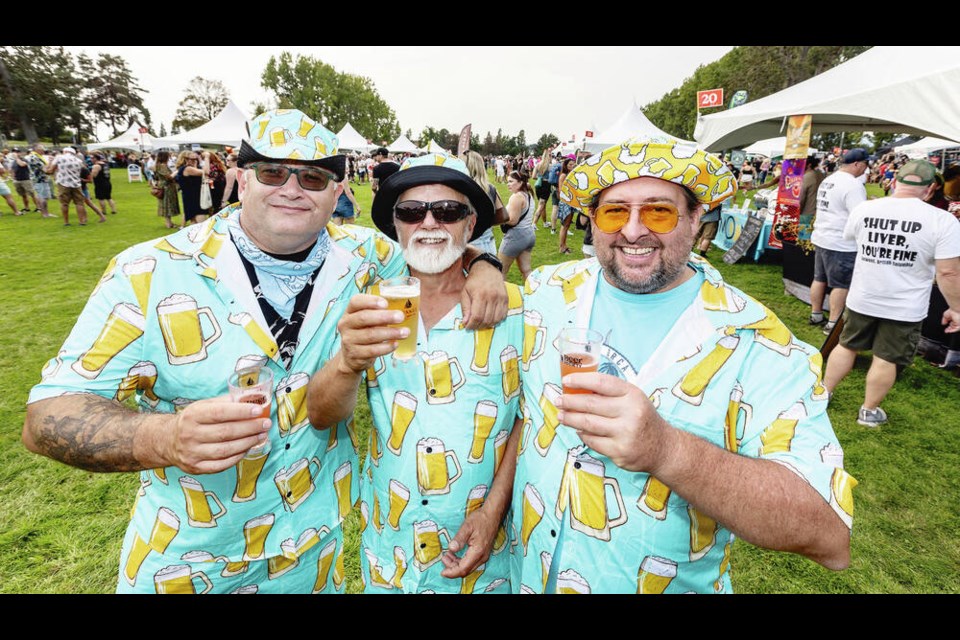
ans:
x=61 y=528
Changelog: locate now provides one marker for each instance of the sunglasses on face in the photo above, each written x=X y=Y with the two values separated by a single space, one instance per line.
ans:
x=444 y=211
x=659 y=217
x=276 y=175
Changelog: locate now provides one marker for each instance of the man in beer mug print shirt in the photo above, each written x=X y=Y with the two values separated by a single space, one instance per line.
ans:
x=441 y=457
x=229 y=501
x=706 y=420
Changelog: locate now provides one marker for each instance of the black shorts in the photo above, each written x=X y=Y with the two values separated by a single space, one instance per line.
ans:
x=543 y=191
x=103 y=192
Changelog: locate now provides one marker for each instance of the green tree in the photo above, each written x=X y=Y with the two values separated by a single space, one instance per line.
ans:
x=331 y=97
x=111 y=93
x=203 y=101
x=163 y=131
x=40 y=93
x=545 y=141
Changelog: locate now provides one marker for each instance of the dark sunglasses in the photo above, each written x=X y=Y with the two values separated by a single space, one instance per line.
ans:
x=444 y=211
x=276 y=175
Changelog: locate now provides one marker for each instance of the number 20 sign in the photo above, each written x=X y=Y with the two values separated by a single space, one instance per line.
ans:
x=711 y=98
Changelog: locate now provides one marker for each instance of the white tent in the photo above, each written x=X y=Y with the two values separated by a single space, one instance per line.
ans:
x=402 y=145
x=228 y=128
x=922 y=148
x=434 y=147
x=631 y=124
x=772 y=147
x=351 y=140
x=899 y=89
x=130 y=139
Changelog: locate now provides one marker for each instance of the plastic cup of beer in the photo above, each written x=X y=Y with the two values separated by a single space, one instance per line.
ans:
x=403 y=294
x=580 y=352
x=253 y=385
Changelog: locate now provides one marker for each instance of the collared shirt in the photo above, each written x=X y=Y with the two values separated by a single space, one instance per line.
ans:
x=37 y=163
x=441 y=422
x=68 y=170
x=729 y=372
x=167 y=324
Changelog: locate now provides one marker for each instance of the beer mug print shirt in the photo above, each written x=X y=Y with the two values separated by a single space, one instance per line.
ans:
x=441 y=422
x=167 y=324
x=727 y=371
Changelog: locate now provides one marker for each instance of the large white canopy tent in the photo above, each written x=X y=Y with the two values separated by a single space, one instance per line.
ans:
x=131 y=140
x=631 y=124
x=897 y=89
x=351 y=140
x=772 y=147
x=434 y=147
x=925 y=146
x=402 y=145
x=228 y=128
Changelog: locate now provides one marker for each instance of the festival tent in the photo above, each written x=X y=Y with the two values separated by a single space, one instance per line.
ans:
x=630 y=125
x=131 y=139
x=351 y=140
x=228 y=128
x=402 y=145
x=771 y=148
x=924 y=147
x=434 y=147
x=896 y=89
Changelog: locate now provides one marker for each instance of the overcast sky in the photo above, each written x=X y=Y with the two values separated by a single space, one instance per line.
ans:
x=561 y=90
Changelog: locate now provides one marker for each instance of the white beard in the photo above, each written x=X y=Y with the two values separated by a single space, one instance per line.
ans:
x=435 y=258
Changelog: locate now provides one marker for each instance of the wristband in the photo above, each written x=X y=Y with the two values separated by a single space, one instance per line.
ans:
x=486 y=257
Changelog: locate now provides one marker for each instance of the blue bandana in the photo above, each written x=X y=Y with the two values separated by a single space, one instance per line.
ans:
x=280 y=280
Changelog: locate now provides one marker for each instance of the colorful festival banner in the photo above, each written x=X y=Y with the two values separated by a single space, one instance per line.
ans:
x=787 y=211
x=464 y=142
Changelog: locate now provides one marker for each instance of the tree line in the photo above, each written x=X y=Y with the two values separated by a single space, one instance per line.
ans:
x=47 y=92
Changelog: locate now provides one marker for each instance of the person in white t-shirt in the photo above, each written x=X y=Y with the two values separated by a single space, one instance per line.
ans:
x=902 y=243
x=839 y=193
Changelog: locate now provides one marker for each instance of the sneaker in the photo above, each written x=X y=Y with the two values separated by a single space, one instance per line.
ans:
x=871 y=418
x=828 y=327
x=816 y=318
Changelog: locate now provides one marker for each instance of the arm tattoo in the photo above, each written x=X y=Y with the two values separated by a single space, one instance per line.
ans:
x=95 y=434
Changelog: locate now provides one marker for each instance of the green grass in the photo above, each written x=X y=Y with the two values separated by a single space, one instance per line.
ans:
x=61 y=528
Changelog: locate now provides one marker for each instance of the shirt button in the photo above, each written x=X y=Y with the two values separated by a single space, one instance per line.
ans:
x=289 y=493
x=424 y=502
x=553 y=533
x=287 y=446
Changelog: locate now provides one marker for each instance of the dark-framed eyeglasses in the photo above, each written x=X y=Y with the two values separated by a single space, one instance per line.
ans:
x=444 y=211
x=276 y=175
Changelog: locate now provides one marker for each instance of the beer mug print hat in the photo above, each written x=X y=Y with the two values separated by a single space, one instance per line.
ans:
x=707 y=177
x=291 y=136
x=432 y=168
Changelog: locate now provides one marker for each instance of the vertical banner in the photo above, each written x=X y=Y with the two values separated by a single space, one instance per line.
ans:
x=464 y=143
x=787 y=212
x=739 y=98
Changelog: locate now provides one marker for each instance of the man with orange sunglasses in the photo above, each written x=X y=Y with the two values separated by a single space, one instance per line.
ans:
x=707 y=417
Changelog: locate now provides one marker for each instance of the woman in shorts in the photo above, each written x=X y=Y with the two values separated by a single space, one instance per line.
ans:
x=519 y=234
x=565 y=211
x=347 y=206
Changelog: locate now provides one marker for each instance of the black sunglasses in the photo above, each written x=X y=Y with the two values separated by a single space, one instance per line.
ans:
x=444 y=211
x=276 y=175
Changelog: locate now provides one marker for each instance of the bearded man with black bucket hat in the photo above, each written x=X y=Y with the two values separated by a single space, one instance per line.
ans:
x=441 y=455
